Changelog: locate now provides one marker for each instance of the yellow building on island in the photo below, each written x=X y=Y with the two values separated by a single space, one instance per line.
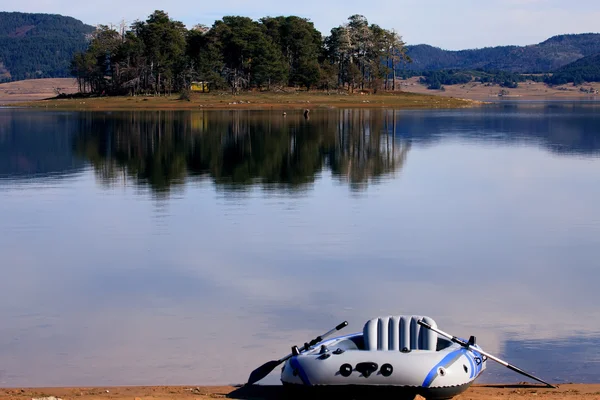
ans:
x=199 y=86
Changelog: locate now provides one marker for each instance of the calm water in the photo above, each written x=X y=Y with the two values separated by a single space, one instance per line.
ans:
x=191 y=247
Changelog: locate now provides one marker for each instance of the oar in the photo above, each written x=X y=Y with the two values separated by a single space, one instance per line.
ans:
x=265 y=369
x=466 y=345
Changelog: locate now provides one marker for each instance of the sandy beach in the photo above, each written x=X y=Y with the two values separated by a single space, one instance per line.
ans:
x=477 y=392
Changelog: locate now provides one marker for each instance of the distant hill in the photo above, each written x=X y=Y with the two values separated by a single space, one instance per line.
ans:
x=547 y=56
x=39 y=45
x=42 y=46
x=586 y=69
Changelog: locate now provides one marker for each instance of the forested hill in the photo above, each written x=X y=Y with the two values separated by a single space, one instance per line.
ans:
x=547 y=56
x=39 y=45
x=586 y=69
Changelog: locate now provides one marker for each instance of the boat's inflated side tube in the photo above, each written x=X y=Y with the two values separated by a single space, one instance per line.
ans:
x=452 y=366
x=390 y=352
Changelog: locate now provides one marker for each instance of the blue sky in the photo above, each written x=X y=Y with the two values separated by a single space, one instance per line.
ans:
x=448 y=24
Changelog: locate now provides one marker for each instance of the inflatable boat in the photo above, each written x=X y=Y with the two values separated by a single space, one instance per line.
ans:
x=393 y=351
x=403 y=355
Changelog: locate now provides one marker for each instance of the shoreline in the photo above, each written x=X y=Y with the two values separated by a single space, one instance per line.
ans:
x=252 y=101
x=40 y=93
x=475 y=392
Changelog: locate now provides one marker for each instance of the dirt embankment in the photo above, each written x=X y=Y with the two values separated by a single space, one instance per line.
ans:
x=477 y=392
x=525 y=91
x=35 y=89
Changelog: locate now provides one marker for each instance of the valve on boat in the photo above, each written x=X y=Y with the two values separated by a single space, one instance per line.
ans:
x=367 y=368
x=386 y=370
x=324 y=353
x=346 y=370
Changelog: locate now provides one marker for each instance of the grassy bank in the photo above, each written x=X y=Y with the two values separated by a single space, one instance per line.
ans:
x=283 y=101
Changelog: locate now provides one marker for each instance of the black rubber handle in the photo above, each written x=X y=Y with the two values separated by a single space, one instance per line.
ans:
x=342 y=325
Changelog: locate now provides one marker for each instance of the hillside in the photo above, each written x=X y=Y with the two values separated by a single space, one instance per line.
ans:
x=39 y=45
x=586 y=69
x=42 y=46
x=547 y=56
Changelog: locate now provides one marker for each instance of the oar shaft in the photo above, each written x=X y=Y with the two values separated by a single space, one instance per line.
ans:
x=488 y=355
x=510 y=366
x=520 y=371
x=265 y=369
x=318 y=339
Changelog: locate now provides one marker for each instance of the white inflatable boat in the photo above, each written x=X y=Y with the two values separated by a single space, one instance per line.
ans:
x=403 y=355
x=394 y=352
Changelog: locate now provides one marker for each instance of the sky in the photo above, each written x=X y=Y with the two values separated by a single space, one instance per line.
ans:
x=452 y=25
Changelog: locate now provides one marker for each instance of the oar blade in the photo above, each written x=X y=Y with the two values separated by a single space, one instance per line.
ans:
x=262 y=371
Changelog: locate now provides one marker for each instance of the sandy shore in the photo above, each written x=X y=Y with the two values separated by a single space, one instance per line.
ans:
x=477 y=392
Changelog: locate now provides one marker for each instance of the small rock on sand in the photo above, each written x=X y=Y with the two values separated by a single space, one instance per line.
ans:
x=46 y=398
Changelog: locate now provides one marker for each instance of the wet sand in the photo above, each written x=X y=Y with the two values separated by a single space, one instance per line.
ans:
x=476 y=392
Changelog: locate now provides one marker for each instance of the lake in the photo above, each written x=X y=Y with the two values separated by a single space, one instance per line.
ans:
x=191 y=247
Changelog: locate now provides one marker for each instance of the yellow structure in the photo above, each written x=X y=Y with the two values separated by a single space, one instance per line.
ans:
x=201 y=86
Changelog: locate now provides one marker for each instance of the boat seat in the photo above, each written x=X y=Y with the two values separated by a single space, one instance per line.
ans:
x=399 y=333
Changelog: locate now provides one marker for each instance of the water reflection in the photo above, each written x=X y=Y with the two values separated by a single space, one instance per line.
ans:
x=239 y=149
x=563 y=128
x=577 y=353
x=37 y=145
x=260 y=245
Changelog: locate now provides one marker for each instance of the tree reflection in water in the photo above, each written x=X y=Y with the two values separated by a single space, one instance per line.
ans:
x=240 y=149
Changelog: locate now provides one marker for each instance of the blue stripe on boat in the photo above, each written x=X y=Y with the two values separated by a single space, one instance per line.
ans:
x=446 y=361
x=472 y=363
x=480 y=365
x=296 y=365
